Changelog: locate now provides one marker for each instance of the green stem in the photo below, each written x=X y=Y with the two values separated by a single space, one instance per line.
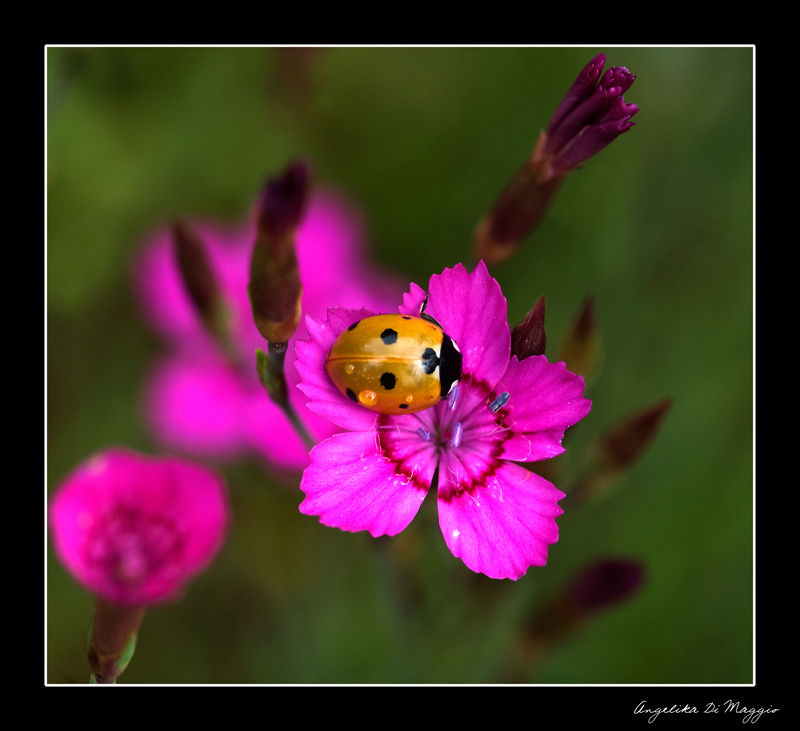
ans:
x=271 y=373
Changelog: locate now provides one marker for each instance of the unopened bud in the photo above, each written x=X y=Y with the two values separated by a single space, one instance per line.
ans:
x=626 y=441
x=198 y=276
x=598 y=586
x=605 y=583
x=619 y=448
x=581 y=348
x=275 y=290
x=591 y=116
x=528 y=336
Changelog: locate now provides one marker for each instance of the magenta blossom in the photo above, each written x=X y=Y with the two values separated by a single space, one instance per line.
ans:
x=134 y=529
x=496 y=516
x=196 y=399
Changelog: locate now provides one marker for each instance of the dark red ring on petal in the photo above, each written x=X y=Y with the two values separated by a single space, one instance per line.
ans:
x=384 y=427
x=501 y=417
x=493 y=462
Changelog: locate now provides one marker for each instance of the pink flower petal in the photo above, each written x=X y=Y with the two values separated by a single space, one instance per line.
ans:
x=472 y=310
x=546 y=398
x=335 y=263
x=351 y=485
x=412 y=300
x=194 y=404
x=502 y=527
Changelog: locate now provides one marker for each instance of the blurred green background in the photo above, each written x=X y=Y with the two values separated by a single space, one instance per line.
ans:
x=658 y=228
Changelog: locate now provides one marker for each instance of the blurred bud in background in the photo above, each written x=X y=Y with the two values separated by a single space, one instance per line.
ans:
x=618 y=449
x=601 y=586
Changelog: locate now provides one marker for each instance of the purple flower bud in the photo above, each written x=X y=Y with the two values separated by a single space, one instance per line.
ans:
x=605 y=583
x=580 y=89
x=617 y=449
x=199 y=279
x=591 y=116
x=528 y=337
x=625 y=442
x=283 y=201
x=275 y=290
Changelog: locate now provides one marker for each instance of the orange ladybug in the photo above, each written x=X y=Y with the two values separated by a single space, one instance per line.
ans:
x=395 y=364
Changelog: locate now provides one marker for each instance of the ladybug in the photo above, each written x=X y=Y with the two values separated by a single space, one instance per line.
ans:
x=395 y=364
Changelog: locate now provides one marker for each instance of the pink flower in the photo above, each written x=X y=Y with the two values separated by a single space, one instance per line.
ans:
x=496 y=516
x=199 y=402
x=134 y=529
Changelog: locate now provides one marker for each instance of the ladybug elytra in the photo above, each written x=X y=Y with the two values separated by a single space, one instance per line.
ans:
x=395 y=364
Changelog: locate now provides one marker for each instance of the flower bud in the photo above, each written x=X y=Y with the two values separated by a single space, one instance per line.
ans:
x=581 y=348
x=528 y=337
x=275 y=290
x=199 y=280
x=591 y=115
x=619 y=448
x=625 y=442
x=605 y=583
x=599 y=586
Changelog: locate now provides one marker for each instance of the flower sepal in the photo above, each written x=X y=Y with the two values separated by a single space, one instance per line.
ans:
x=113 y=639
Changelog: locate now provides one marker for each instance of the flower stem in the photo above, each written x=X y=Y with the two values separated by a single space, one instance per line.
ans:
x=271 y=373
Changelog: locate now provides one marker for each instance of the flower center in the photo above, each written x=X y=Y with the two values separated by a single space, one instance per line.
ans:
x=131 y=547
x=470 y=426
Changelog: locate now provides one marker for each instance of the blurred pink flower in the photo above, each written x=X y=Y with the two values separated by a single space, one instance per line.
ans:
x=201 y=403
x=134 y=529
x=495 y=515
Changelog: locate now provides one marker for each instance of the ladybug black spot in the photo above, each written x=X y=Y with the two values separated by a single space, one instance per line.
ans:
x=429 y=360
x=389 y=336
x=349 y=393
x=354 y=325
x=403 y=406
x=388 y=381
